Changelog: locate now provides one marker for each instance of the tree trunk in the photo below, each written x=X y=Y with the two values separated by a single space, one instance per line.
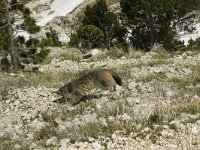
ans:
x=11 y=47
x=150 y=21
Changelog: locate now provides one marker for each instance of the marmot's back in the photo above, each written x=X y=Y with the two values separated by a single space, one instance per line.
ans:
x=95 y=79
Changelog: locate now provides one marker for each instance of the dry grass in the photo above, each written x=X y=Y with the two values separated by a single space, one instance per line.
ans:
x=110 y=2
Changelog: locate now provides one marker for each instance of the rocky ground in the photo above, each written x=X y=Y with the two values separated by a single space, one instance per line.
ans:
x=156 y=108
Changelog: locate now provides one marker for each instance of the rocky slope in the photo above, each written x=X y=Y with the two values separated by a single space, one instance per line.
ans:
x=156 y=108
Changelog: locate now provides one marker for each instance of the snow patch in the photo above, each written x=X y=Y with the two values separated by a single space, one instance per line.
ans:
x=64 y=38
x=57 y=8
x=23 y=33
x=187 y=36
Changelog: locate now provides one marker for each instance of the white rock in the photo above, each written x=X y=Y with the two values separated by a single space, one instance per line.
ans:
x=198 y=122
x=89 y=118
x=82 y=145
x=71 y=147
x=114 y=136
x=52 y=141
x=16 y=103
x=132 y=85
x=64 y=142
x=172 y=146
x=195 y=130
x=96 y=146
x=98 y=107
x=17 y=147
x=130 y=101
x=111 y=118
x=146 y=129
x=90 y=139
x=170 y=93
x=137 y=101
x=102 y=120
x=175 y=122
x=167 y=134
x=126 y=117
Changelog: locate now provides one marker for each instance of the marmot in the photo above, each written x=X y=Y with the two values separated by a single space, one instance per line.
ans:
x=99 y=78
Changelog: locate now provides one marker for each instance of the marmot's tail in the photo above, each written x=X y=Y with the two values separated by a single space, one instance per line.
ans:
x=117 y=78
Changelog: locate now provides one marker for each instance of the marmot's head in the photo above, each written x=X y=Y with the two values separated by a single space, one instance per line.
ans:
x=65 y=91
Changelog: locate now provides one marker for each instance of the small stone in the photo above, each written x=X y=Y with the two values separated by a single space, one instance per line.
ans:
x=64 y=142
x=195 y=130
x=103 y=121
x=16 y=103
x=175 y=122
x=96 y=146
x=17 y=147
x=71 y=147
x=126 y=117
x=98 y=107
x=123 y=57
x=132 y=85
x=114 y=136
x=198 y=122
x=130 y=101
x=146 y=129
x=172 y=146
x=83 y=145
x=33 y=145
x=111 y=118
x=90 y=139
x=52 y=141
x=89 y=118
x=137 y=101
x=167 y=134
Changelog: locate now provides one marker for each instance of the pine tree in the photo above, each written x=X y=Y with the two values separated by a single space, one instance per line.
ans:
x=154 y=21
x=7 y=35
x=100 y=17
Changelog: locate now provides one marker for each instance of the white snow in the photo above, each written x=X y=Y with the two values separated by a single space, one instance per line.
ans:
x=63 y=7
x=187 y=36
x=23 y=33
x=57 y=8
x=64 y=38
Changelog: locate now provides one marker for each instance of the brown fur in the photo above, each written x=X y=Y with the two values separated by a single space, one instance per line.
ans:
x=77 y=89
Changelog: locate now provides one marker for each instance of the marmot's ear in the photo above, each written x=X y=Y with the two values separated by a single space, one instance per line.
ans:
x=69 y=86
x=57 y=92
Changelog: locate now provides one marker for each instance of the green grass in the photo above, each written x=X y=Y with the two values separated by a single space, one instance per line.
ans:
x=6 y=143
x=161 y=116
x=110 y=2
x=180 y=82
x=150 y=77
x=50 y=79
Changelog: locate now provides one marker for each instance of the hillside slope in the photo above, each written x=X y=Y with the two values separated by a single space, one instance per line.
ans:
x=156 y=108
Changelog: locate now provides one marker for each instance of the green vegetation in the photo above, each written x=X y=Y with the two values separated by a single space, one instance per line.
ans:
x=151 y=21
x=31 y=25
x=101 y=28
x=51 y=39
x=6 y=143
x=88 y=36
x=151 y=76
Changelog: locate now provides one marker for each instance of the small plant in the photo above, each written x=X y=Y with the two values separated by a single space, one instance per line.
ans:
x=31 y=25
x=5 y=143
x=40 y=57
x=51 y=39
x=173 y=126
x=46 y=132
x=88 y=36
x=155 y=134
x=151 y=76
x=50 y=118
